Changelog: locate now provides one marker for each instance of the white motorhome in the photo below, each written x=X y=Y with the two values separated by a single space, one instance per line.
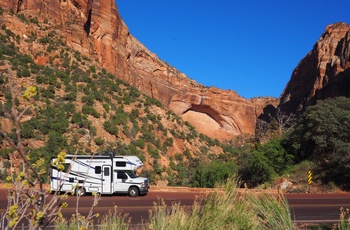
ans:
x=104 y=174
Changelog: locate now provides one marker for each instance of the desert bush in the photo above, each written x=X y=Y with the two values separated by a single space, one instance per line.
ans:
x=139 y=143
x=153 y=152
x=91 y=111
x=88 y=100
x=99 y=141
x=208 y=175
x=110 y=127
x=27 y=130
x=44 y=40
x=80 y=119
x=5 y=153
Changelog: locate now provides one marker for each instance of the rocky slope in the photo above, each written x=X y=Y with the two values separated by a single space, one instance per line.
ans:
x=96 y=29
x=323 y=73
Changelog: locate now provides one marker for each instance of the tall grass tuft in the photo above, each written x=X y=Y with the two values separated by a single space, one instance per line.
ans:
x=344 y=223
x=114 y=220
x=164 y=217
x=225 y=208
x=271 y=211
x=73 y=224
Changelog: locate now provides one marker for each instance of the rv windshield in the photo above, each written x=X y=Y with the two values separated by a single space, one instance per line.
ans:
x=131 y=174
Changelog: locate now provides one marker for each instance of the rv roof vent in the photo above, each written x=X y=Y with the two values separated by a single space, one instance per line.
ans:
x=108 y=153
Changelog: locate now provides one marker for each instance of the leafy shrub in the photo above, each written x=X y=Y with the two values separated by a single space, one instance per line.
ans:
x=27 y=130
x=22 y=17
x=25 y=72
x=34 y=68
x=139 y=143
x=56 y=143
x=110 y=127
x=153 y=152
x=152 y=101
x=40 y=79
x=120 y=119
x=5 y=153
x=60 y=124
x=169 y=141
x=63 y=76
x=7 y=164
x=99 y=141
x=106 y=107
x=44 y=40
x=69 y=108
x=92 y=69
x=72 y=96
x=91 y=111
x=210 y=174
x=255 y=169
x=49 y=92
x=77 y=118
x=88 y=100
x=34 y=20
x=10 y=33
x=25 y=59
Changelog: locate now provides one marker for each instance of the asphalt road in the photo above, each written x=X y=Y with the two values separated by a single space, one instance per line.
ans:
x=317 y=208
x=306 y=208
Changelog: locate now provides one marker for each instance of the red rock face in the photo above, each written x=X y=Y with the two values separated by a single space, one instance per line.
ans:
x=323 y=73
x=95 y=28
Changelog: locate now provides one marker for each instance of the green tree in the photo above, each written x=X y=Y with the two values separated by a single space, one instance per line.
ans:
x=277 y=156
x=263 y=162
x=254 y=168
x=322 y=136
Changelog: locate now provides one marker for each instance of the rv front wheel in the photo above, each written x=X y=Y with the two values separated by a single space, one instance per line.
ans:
x=80 y=191
x=133 y=191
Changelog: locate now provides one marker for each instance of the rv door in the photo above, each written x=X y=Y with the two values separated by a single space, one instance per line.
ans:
x=107 y=180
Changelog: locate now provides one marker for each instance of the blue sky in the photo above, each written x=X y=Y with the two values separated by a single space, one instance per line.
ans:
x=250 y=47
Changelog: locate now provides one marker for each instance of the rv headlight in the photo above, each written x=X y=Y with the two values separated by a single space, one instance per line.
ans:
x=142 y=184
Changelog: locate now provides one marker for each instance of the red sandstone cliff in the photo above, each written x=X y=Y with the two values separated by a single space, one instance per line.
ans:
x=323 y=73
x=96 y=29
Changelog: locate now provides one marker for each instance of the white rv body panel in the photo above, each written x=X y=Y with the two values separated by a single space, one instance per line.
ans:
x=99 y=174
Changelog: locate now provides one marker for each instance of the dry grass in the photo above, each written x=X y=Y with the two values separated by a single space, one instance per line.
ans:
x=224 y=209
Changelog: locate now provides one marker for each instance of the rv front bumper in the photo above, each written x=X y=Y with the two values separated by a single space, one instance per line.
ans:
x=144 y=188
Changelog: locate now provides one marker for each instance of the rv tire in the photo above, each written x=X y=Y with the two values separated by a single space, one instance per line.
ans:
x=133 y=191
x=80 y=191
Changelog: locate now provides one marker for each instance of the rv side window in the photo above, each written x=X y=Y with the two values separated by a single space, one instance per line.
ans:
x=121 y=175
x=106 y=171
x=98 y=170
x=66 y=167
x=120 y=164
